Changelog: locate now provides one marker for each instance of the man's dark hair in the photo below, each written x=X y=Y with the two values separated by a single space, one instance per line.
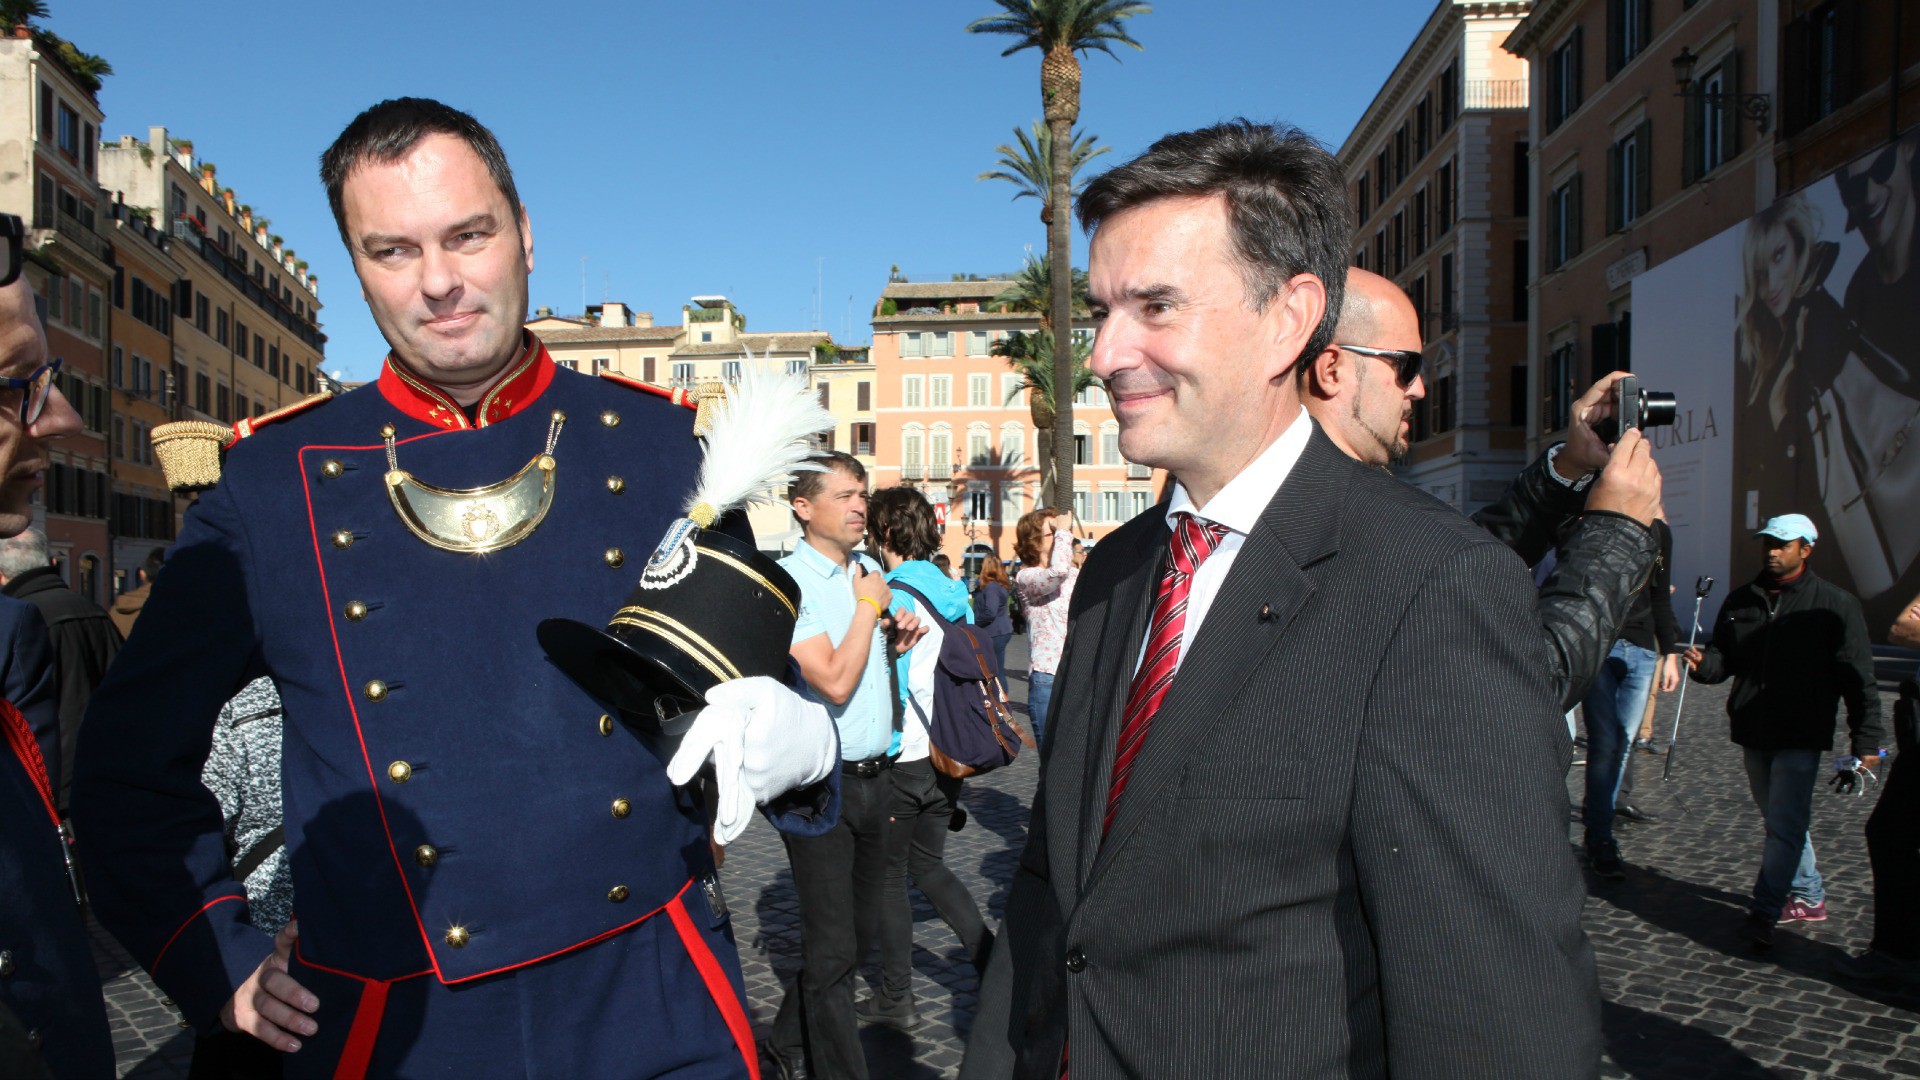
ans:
x=1286 y=203
x=901 y=520
x=389 y=131
x=807 y=485
x=155 y=559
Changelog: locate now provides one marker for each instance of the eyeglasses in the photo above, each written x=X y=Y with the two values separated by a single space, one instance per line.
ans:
x=1853 y=187
x=1406 y=362
x=35 y=390
x=13 y=232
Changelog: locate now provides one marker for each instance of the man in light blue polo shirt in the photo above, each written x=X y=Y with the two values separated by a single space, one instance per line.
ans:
x=840 y=643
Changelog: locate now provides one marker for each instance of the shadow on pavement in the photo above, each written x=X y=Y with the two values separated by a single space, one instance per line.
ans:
x=1649 y=1045
x=891 y=1053
x=1002 y=812
x=1711 y=917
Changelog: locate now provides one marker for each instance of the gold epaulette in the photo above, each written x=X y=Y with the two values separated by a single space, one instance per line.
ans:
x=701 y=399
x=190 y=450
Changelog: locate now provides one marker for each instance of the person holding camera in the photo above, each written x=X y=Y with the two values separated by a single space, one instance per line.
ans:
x=1795 y=647
x=1044 y=541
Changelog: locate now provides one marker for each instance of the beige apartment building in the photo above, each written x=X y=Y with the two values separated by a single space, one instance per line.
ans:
x=1628 y=173
x=844 y=377
x=1436 y=168
x=142 y=514
x=247 y=336
x=952 y=420
x=52 y=122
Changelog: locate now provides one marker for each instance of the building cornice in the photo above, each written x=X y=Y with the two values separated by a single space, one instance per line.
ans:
x=1538 y=27
x=1406 y=77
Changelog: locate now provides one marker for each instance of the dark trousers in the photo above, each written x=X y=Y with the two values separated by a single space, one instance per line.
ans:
x=923 y=799
x=1893 y=846
x=838 y=877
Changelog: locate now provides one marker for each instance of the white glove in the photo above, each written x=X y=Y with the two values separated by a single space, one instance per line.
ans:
x=764 y=741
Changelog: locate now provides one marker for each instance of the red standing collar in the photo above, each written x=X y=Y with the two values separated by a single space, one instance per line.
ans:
x=523 y=382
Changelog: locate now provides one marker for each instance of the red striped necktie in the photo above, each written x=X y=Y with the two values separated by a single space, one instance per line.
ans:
x=1193 y=541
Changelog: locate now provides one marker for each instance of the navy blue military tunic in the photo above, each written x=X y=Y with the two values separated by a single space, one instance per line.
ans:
x=490 y=876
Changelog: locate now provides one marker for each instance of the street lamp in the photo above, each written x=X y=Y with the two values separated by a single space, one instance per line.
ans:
x=1755 y=107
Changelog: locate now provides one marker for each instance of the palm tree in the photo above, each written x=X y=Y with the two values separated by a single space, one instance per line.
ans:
x=1030 y=355
x=1032 y=290
x=1030 y=167
x=19 y=12
x=1060 y=29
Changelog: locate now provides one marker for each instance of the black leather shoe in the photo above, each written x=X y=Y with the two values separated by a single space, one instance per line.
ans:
x=1604 y=860
x=1758 y=929
x=902 y=1016
x=785 y=1066
x=1629 y=812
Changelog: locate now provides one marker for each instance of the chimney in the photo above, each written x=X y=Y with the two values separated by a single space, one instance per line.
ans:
x=543 y=312
x=613 y=314
x=643 y=318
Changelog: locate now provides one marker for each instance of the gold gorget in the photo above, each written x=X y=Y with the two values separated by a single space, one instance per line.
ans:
x=481 y=519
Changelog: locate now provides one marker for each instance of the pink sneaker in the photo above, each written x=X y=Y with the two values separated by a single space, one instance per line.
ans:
x=1798 y=910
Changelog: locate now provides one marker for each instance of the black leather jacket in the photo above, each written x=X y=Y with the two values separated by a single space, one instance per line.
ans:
x=1606 y=561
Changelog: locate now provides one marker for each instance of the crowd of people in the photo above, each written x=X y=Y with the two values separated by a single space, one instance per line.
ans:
x=1260 y=708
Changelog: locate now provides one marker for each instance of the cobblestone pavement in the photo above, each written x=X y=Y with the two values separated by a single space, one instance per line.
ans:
x=1684 y=998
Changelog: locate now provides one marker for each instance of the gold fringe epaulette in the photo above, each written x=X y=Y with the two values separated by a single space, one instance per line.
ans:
x=701 y=399
x=190 y=450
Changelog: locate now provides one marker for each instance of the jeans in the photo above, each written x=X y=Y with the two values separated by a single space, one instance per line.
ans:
x=1039 y=697
x=1614 y=704
x=923 y=801
x=1782 y=783
x=838 y=878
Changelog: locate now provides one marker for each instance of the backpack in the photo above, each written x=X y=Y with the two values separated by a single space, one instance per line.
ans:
x=972 y=729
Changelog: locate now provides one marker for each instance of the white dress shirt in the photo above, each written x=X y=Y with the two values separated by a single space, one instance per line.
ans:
x=1238 y=506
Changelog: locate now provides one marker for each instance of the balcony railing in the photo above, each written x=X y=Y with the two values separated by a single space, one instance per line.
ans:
x=1496 y=93
x=912 y=472
x=89 y=241
x=863 y=449
x=940 y=472
x=1139 y=472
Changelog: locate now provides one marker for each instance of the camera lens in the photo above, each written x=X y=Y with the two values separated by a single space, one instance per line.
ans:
x=1657 y=408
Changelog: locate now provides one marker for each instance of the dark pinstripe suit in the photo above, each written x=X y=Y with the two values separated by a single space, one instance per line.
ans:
x=1342 y=851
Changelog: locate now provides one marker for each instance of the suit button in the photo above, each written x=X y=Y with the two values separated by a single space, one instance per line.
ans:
x=1076 y=961
x=606 y=724
x=457 y=938
x=1266 y=612
x=331 y=469
x=621 y=808
x=610 y=418
x=616 y=484
x=343 y=539
x=355 y=611
x=375 y=690
x=425 y=855
x=616 y=557
x=617 y=893
x=35 y=1039
x=6 y=962
x=399 y=772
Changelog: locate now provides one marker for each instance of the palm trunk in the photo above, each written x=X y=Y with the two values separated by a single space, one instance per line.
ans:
x=1060 y=256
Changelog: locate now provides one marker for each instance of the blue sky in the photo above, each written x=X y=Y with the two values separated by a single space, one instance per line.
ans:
x=728 y=146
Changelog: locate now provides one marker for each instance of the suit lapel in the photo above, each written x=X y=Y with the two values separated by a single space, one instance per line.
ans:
x=1250 y=616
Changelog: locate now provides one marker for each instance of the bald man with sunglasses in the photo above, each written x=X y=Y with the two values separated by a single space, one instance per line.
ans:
x=1362 y=388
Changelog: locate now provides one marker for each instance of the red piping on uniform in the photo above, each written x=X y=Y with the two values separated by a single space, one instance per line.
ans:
x=357 y=1055
x=717 y=984
x=594 y=940
x=161 y=955
x=27 y=749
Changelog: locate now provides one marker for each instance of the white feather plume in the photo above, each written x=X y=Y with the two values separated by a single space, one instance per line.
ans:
x=757 y=438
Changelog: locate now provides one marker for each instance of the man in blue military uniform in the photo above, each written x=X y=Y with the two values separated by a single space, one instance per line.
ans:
x=52 y=1018
x=492 y=875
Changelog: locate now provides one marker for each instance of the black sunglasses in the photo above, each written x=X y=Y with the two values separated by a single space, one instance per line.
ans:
x=35 y=390
x=1853 y=187
x=1406 y=362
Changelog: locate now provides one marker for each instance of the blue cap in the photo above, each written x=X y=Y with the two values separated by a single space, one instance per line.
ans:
x=1790 y=527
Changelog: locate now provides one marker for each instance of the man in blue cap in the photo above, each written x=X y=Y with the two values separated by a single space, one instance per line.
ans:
x=1796 y=647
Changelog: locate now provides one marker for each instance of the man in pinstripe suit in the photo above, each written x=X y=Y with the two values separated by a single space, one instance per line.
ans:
x=1270 y=840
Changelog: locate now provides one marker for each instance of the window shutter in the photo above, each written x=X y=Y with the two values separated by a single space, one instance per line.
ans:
x=1643 y=25
x=1730 y=119
x=1794 y=83
x=1690 y=141
x=1605 y=348
x=1616 y=36
x=1579 y=60
x=1575 y=241
x=1846 y=51
x=1614 y=186
x=1643 y=167
x=1556 y=65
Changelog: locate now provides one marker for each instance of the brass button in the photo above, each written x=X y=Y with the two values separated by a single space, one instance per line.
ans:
x=610 y=418
x=616 y=558
x=356 y=611
x=621 y=808
x=457 y=938
x=606 y=724
x=616 y=484
x=617 y=893
x=399 y=772
x=559 y=416
x=425 y=855
x=376 y=690
x=343 y=539
x=386 y=431
x=331 y=469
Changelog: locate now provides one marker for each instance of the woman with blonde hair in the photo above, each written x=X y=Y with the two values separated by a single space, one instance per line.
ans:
x=1044 y=541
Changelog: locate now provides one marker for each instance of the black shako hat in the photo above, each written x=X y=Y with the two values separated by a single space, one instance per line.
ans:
x=708 y=608
x=728 y=615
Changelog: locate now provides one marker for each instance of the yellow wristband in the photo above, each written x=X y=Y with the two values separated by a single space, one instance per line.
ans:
x=869 y=601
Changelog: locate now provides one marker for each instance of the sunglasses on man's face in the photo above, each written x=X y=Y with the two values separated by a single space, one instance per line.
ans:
x=1853 y=186
x=1406 y=362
